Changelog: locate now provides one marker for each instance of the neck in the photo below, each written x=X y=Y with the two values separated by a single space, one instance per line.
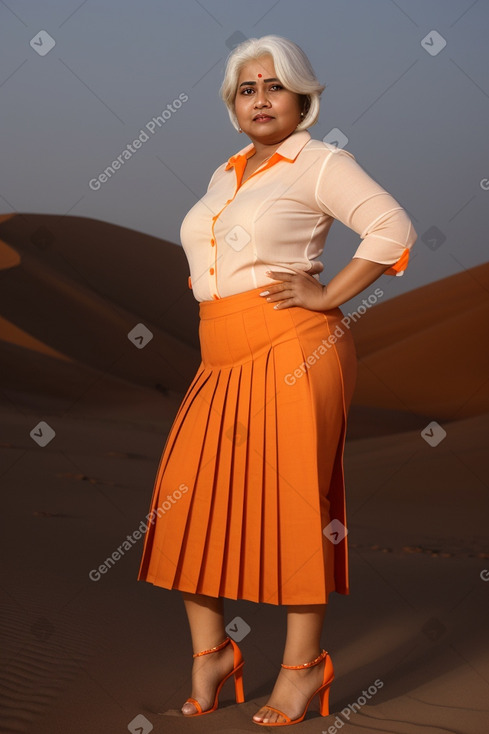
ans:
x=262 y=150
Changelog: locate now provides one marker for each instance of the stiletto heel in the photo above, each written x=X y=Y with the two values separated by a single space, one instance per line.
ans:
x=323 y=692
x=238 y=685
x=324 y=701
x=237 y=671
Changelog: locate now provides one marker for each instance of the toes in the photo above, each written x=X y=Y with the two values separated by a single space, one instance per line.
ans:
x=188 y=708
x=273 y=718
x=261 y=714
x=266 y=716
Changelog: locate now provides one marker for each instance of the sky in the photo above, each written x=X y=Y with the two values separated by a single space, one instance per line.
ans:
x=407 y=83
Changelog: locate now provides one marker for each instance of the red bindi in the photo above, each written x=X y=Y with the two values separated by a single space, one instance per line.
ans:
x=259 y=76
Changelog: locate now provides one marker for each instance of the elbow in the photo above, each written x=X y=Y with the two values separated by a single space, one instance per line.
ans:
x=412 y=234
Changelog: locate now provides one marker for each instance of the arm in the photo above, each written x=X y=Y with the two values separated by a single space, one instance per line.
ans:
x=351 y=281
x=346 y=192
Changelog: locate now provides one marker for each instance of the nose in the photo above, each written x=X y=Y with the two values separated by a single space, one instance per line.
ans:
x=261 y=99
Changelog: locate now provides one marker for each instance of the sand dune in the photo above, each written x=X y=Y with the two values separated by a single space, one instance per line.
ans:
x=80 y=656
x=72 y=289
x=130 y=272
x=59 y=308
x=426 y=351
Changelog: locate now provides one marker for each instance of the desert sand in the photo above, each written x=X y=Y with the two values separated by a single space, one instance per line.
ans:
x=84 y=655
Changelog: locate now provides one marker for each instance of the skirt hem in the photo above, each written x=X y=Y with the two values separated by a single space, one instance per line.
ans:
x=284 y=602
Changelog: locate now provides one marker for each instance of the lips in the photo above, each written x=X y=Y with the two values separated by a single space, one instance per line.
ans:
x=262 y=117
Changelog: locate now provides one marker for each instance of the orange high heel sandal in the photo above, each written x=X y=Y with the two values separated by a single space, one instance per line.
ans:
x=237 y=671
x=323 y=691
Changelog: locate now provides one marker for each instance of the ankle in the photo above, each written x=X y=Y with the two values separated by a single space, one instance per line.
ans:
x=224 y=642
x=303 y=659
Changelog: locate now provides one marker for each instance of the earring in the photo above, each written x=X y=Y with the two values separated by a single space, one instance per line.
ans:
x=302 y=114
x=239 y=130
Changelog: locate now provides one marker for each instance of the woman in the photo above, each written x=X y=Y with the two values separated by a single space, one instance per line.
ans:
x=253 y=464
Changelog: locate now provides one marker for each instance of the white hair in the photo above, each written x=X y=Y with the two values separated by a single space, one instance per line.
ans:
x=291 y=65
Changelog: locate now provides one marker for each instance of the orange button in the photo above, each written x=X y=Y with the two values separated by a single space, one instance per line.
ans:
x=211 y=271
x=213 y=242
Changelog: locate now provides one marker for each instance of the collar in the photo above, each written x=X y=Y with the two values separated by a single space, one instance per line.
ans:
x=288 y=150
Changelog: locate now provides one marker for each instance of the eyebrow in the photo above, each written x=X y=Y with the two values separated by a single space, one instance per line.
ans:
x=273 y=79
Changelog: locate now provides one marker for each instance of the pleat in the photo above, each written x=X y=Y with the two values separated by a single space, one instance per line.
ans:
x=326 y=398
x=261 y=460
x=270 y=565
x=255 y=519
x=300 y=527
x=332 y=475
x=219 y=458
x=232 y=563
x=202 y=547
x=158 y=562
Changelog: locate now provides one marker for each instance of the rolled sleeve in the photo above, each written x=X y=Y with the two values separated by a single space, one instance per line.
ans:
x=346 y=192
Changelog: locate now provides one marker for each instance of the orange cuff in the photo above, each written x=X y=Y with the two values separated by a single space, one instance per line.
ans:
x=400 y=265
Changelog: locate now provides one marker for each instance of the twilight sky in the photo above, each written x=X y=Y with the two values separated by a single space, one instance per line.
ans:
x=406 y=81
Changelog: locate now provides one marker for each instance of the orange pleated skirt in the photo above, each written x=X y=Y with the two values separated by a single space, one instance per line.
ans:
x=251 y=473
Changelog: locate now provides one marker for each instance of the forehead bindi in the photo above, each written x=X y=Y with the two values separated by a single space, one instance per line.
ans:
x=250 y=76
x=261 y=68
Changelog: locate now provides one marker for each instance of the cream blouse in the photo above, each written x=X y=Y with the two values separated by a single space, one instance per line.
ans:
x=278 y=219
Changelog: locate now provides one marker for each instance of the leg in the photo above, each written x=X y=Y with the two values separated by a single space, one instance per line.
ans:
x=294 y=687
x=206 y=620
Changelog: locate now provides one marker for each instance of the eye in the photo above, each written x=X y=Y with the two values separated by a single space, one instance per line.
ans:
x=245 y=90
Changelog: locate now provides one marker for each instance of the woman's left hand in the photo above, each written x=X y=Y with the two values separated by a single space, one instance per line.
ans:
x=295 y=289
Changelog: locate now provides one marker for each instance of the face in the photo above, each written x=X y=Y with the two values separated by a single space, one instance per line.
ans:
x=266 y=111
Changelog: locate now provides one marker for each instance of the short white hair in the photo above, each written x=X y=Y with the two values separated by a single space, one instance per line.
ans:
x=292 y=66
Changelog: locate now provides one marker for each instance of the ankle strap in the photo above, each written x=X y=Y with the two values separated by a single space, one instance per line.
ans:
x=212 y=649
x=320 y=657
